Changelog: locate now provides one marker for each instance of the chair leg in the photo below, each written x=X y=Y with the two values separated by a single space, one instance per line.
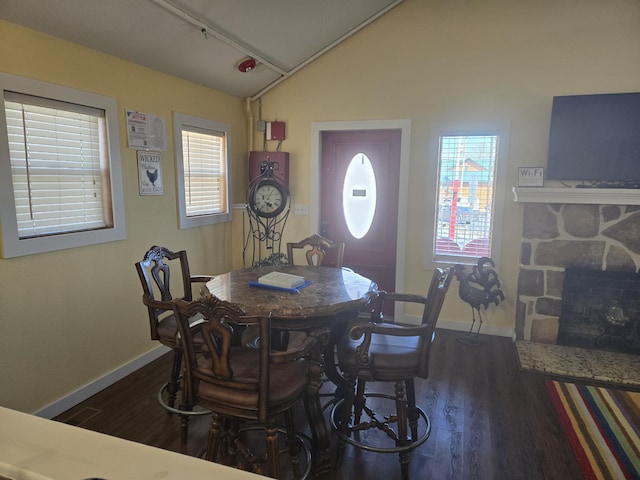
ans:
x=345 y=416
x=404 y=465
x=292 y=443
x=403 y=438
x=232 y=427
x=412 y=411
x=271 y=436
x=184 y=428
x=359 y=401
x=174 y=382
x=215 y=434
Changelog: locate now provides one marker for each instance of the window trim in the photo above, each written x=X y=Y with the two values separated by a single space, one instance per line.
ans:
x=180 y=120
x=502 y=130
x=12 y=245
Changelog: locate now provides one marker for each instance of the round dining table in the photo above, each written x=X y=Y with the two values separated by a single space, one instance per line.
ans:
x=332 y=298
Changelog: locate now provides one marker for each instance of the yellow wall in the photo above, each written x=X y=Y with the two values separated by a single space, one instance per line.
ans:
x=442 y=61
x=69 y=317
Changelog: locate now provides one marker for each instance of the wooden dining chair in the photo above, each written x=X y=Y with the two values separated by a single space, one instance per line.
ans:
x=318 y=251
x=315 y=249
x=158 y=290
x=376 y=351
x=238 y=383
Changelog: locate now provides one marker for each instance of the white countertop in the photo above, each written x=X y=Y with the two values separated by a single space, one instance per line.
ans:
x=33 y=448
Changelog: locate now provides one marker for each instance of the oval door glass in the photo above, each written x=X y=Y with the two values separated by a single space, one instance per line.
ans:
x=359 y=195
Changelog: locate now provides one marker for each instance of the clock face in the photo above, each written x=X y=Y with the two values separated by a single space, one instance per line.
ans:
x=269 y=198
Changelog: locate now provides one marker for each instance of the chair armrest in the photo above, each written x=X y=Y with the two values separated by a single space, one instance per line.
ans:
x=376 y=314
x=360 y=329
x=294 y=354
x=404 y=297
x=156 y=304
x=201 y=278
x=367 y=330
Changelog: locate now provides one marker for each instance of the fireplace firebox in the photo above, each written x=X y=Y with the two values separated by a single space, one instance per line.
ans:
x=600 y=309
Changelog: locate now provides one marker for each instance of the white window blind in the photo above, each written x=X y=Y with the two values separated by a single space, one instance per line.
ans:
x=205 y=176
x=59 y=165
x=465 y=196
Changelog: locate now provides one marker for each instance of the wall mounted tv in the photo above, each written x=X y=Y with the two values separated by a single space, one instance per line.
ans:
x=595 y=139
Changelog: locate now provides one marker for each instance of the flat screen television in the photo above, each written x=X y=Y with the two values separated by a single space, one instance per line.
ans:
x=595 y=139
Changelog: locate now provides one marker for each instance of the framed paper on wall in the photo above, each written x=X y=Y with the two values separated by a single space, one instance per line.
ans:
x=150 y=173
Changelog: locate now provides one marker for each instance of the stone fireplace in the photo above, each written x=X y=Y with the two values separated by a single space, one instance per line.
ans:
x=557 y=236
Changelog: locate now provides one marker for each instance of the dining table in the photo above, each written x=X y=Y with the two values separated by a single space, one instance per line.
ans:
x=331 y=298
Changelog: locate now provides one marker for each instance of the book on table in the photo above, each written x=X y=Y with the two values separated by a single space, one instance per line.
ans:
x=282 y=280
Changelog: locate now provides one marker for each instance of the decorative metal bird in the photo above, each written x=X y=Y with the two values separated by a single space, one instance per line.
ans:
x=480 y=287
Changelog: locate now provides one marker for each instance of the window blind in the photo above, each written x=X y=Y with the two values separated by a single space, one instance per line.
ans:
x=466 y=186
x=58 y=164
x=205 y=178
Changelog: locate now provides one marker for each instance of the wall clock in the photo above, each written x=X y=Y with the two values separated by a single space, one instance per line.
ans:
x=268 y=198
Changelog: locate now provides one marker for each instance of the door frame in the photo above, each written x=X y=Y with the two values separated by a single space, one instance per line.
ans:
x=404 y=125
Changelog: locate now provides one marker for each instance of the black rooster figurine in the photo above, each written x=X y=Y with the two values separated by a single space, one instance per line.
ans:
x=480 y=287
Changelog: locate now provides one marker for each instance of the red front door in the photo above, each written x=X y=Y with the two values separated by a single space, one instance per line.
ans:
x=370 y=233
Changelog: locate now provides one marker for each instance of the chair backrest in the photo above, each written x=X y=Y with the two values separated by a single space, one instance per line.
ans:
x=155 y=277
x=211 y=362
x=317 y=249
x=438 y=288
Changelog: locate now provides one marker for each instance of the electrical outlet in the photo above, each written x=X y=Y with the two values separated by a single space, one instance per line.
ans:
x=301 y=210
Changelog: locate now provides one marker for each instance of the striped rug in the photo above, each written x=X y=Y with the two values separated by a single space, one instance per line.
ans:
x=603 y=426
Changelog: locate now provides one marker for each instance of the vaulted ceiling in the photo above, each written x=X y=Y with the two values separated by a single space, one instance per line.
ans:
x=205 y=41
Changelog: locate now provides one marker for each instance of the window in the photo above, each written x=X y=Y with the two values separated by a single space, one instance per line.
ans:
x=60 y=169
x=467 y=193
x=359 y=195
x=202 y=171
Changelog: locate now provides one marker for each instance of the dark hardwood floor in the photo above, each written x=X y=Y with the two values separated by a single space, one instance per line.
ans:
x=489 y=420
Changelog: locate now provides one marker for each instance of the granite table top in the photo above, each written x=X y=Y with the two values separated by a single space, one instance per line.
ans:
x=333 y=292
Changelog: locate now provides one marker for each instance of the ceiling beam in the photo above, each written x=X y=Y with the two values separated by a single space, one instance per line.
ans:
x=216 y=33
x=207 y=29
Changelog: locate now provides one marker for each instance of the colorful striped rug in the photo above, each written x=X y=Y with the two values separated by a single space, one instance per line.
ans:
x=603 y=426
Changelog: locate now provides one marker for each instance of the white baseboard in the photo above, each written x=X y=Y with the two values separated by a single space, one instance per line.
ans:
x=509 y=332
x=65 y=403
x=452 y=325
x=464 y=326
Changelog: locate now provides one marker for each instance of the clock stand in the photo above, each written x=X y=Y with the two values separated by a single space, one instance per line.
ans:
x=268 y=207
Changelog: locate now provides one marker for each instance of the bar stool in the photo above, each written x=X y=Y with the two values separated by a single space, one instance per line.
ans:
x=377 y=359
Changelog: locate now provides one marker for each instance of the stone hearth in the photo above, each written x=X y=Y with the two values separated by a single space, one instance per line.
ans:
x=557 y=236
